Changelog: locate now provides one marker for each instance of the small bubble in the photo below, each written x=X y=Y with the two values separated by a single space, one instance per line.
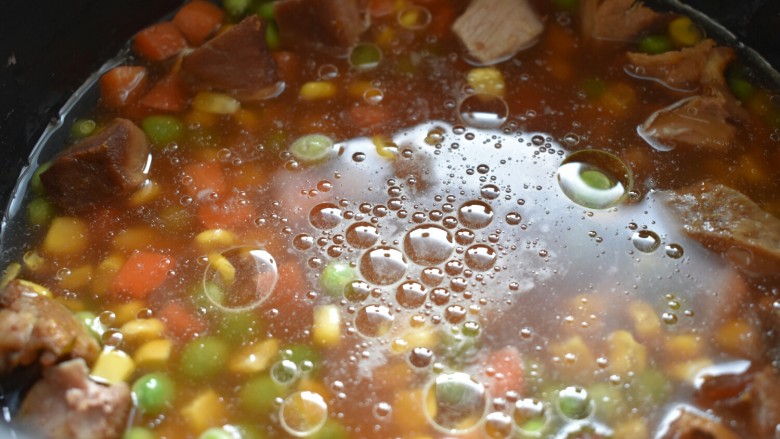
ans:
x=303 y=413
x=303 y=242
x=646 y=241
x=358 y=157
x=421 y=357
x=490 y=191
x=669 y=318
x=674 y=251
x=374 y=320
x=513 y=218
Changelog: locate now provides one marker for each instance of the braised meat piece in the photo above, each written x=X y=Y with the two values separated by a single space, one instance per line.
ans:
x=35 y=327
x=334 y=23
x=686 y=423
x=102 y=168
x=677 y=68
x=66 y=404
x=238 y=59
x=494 y=30
x=698 y=122
x=618 y=20
x=726 y=220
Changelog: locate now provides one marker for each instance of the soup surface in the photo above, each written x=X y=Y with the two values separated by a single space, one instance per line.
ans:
x=405 y=220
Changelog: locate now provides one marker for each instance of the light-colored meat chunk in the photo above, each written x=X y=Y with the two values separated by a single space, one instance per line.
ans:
x=677 y=68
x=494 y=30
x=697 y=122
x=617 y=20
x=66 y=404
x=726 y=220
x=35 y=327
x=329 y=23
x=685 y=423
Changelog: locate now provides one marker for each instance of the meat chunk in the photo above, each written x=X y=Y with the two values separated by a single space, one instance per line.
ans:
x=235 y=60
x=678 y=68
x=617 y=20
x=102 y=168
x=765 y=413
x=334 y=23
x=35 y=327
x=66 y=404
x=494 y=30
x=726 y=220
x=685 y=423
x=697 y=122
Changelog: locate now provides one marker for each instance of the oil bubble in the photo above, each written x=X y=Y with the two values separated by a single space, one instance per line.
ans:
x=421 y=357
x=240 y=278
x=674 y=251
x=374 y=321
x=483 y=111
x=432 y=276
x=428 y=244
x=303 y=242
x=362 y=235
x=480 y=257
x=594 y=179
x=325 y=216
x=646 y=241
x=475 y=214
x=383 y=265
x=410 y=294
x=303 y=413
x=455 y=403
x=490 y=191
x=498 y=425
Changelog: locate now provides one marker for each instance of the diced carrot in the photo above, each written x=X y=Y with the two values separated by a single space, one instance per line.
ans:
x=197 y=20
x=180 y=321
x=141 y=274
x=289 y=293
x=507 y=371
x=365 y=116
x=168 y=94
x=288 y=65
x=380 y=8
x=203 y=178
x=122 y=85
x=159 y=42
x=225 y=214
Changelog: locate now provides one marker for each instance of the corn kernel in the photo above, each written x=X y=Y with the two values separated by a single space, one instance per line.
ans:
x=66 y=236
x=576 y=348
x=254 y=358
x=248 y=119
x=149 y=192
x=135 y=238
x=415 y=338
x=358 y=88
x=316 y=386
x=317 y=90
x=385 y=37
x=487 y=80
x=153 y=354
x=684 y=32
x=10 y=273
x=326 y=331
x=408 y=411
x=215 y=103
x=37 y=288
x=33 y=260
x=205 y=411
x=126 y=312
x=201 y=119
x=683 y=346
x=141 y=330
x=686 y=371
x=214 y=239
x=647 y=325
x=113 y=366
x=105 y=272
x=385 y=147
x=626 y=354
x=226 y=270
x=737 y=337
x=77 y=278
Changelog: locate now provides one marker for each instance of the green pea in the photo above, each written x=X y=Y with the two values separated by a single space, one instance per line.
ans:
x=575 y=403
x=216 y=433
x=82 y=128
x=594 y=88
x=92 y=323
x=258 y=395
x=236 y=7
x=336 y=276
x=331 y=430
x=162 y=129
x=139 y=433
x=655 y=44
x=204 y=358
x=596 y=179
x=36 y=185
x=365 y=56
x=304 y=356
x=742 y=88
x=40 y=212
x=272 y=38
x=153 y=392
x=266 y=11
x=239 y=327
x=312 y=148
x=567 y=5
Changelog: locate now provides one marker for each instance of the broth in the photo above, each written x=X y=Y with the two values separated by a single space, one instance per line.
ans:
x=481 y=252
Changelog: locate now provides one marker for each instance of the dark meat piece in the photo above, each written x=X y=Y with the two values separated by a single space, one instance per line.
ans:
x=765 y=414
x=685 y=423
x=235 y=60
x=727 y=221
x=677 y=68
x=618 y=20
x=494 y=30
x=66 y=404
x=37 y=327
x=334 y=23
x=103 y=167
